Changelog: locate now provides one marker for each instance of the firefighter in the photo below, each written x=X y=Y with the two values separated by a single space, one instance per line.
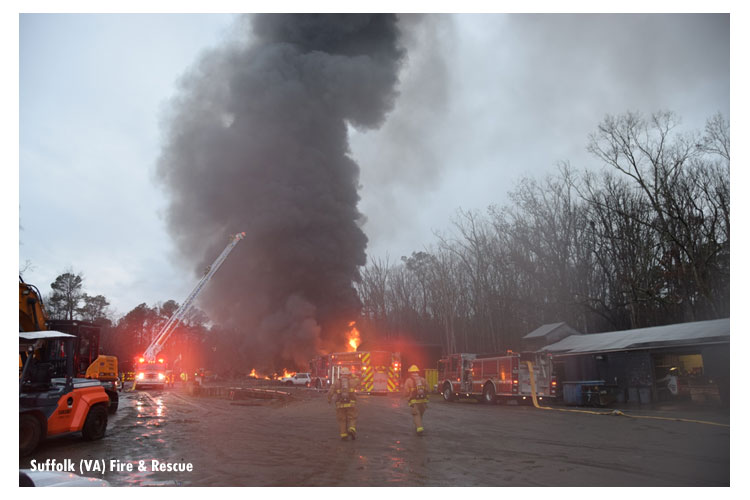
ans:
x=346 y=404
x=415 y=391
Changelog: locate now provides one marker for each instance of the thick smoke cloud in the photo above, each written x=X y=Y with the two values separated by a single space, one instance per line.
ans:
x=256 y=141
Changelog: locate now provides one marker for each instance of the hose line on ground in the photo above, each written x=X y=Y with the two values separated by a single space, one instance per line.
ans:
x=617 y=413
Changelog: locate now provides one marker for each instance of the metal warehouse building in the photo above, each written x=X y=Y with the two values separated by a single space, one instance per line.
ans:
x=688 y=361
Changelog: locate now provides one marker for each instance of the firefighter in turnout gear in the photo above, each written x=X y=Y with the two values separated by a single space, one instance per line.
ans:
x=346 y=404
x=415 y=391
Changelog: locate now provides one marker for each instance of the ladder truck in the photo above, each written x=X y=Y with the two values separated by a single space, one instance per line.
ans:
x=150 y=369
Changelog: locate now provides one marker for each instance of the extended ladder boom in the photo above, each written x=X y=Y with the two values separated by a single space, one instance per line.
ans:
x=181 y=313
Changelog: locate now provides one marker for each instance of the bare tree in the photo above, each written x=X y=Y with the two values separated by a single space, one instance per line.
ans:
x=373 y=291
x=665 y=167
x=643 y=242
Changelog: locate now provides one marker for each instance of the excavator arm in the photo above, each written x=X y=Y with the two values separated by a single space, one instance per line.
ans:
x=30 y=308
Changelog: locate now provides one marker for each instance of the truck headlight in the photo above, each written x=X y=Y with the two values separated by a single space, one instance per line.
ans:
x=161 y=376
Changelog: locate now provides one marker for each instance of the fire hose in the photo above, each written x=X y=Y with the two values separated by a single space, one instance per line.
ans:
x=616 y=413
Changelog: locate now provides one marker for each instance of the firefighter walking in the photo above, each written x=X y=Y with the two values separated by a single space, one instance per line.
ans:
x=346 y=404
x=415 y=391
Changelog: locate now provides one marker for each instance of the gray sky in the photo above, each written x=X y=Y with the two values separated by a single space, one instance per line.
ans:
x=484 y=100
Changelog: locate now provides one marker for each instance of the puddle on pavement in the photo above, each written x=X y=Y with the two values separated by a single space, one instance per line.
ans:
x=148 y=428
x=397 y=468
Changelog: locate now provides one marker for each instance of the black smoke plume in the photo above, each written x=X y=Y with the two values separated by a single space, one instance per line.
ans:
x=256 y=141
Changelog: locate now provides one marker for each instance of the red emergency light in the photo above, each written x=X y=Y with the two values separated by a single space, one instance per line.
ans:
x=161 y=360
x=141 y=360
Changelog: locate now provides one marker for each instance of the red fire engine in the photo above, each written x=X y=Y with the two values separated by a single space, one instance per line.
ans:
x=150 y=373
x=319 y=368
x=377 y=371
x=492 y=377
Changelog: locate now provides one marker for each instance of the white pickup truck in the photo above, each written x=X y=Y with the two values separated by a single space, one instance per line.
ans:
x=298 y=379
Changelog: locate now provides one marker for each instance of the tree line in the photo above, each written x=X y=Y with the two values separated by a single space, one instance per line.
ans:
x=642 y=242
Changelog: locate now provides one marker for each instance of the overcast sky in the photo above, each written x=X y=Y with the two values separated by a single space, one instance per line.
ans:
x=484 y=100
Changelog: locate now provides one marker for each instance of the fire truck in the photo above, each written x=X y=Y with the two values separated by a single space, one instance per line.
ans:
x=319 y=368
x=494 y=377
x=151 y=369
x=150 y=373
x=376 y=371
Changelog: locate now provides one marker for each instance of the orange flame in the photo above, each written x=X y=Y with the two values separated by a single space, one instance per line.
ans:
x=285 y=374
x=252 y=374
x=353 y=337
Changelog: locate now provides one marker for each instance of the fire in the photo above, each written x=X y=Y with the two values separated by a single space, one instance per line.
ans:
x=353 y=337
x=273 y=376
x=286 y=373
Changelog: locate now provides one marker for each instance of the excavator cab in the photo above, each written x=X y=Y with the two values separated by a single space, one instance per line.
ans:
x=51 y=401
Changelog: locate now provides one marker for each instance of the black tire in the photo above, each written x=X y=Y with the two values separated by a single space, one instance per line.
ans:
x=24 y=480
x=488 y=395
x=95 y=425
x=448 y=393
x=29 y=435
x=318 y=384
x=114 y=400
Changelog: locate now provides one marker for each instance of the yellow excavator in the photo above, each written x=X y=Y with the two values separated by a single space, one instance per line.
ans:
x=30 y=308
x=88 y=362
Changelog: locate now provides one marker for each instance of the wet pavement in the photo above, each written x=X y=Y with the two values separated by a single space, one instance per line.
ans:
x=295 y=443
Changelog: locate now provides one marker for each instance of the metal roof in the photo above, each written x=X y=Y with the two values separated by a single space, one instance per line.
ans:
x=47 y=334
x=544 y=330
x=698 y=332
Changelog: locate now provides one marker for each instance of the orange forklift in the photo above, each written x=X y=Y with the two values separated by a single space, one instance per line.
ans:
x=87 y=360
x=51 y=401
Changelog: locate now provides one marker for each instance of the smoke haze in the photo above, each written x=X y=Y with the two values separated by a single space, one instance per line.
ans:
x=256 y=141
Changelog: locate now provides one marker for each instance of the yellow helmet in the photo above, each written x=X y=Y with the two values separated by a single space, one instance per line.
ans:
x=413 y=369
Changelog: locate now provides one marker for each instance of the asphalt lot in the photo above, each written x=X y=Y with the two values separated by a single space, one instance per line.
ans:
x=296 y=443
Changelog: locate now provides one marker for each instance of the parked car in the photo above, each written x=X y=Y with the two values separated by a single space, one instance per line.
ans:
x=298 y=379
x=28 y=477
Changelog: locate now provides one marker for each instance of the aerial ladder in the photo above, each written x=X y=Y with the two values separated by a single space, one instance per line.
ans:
x=153 y=350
